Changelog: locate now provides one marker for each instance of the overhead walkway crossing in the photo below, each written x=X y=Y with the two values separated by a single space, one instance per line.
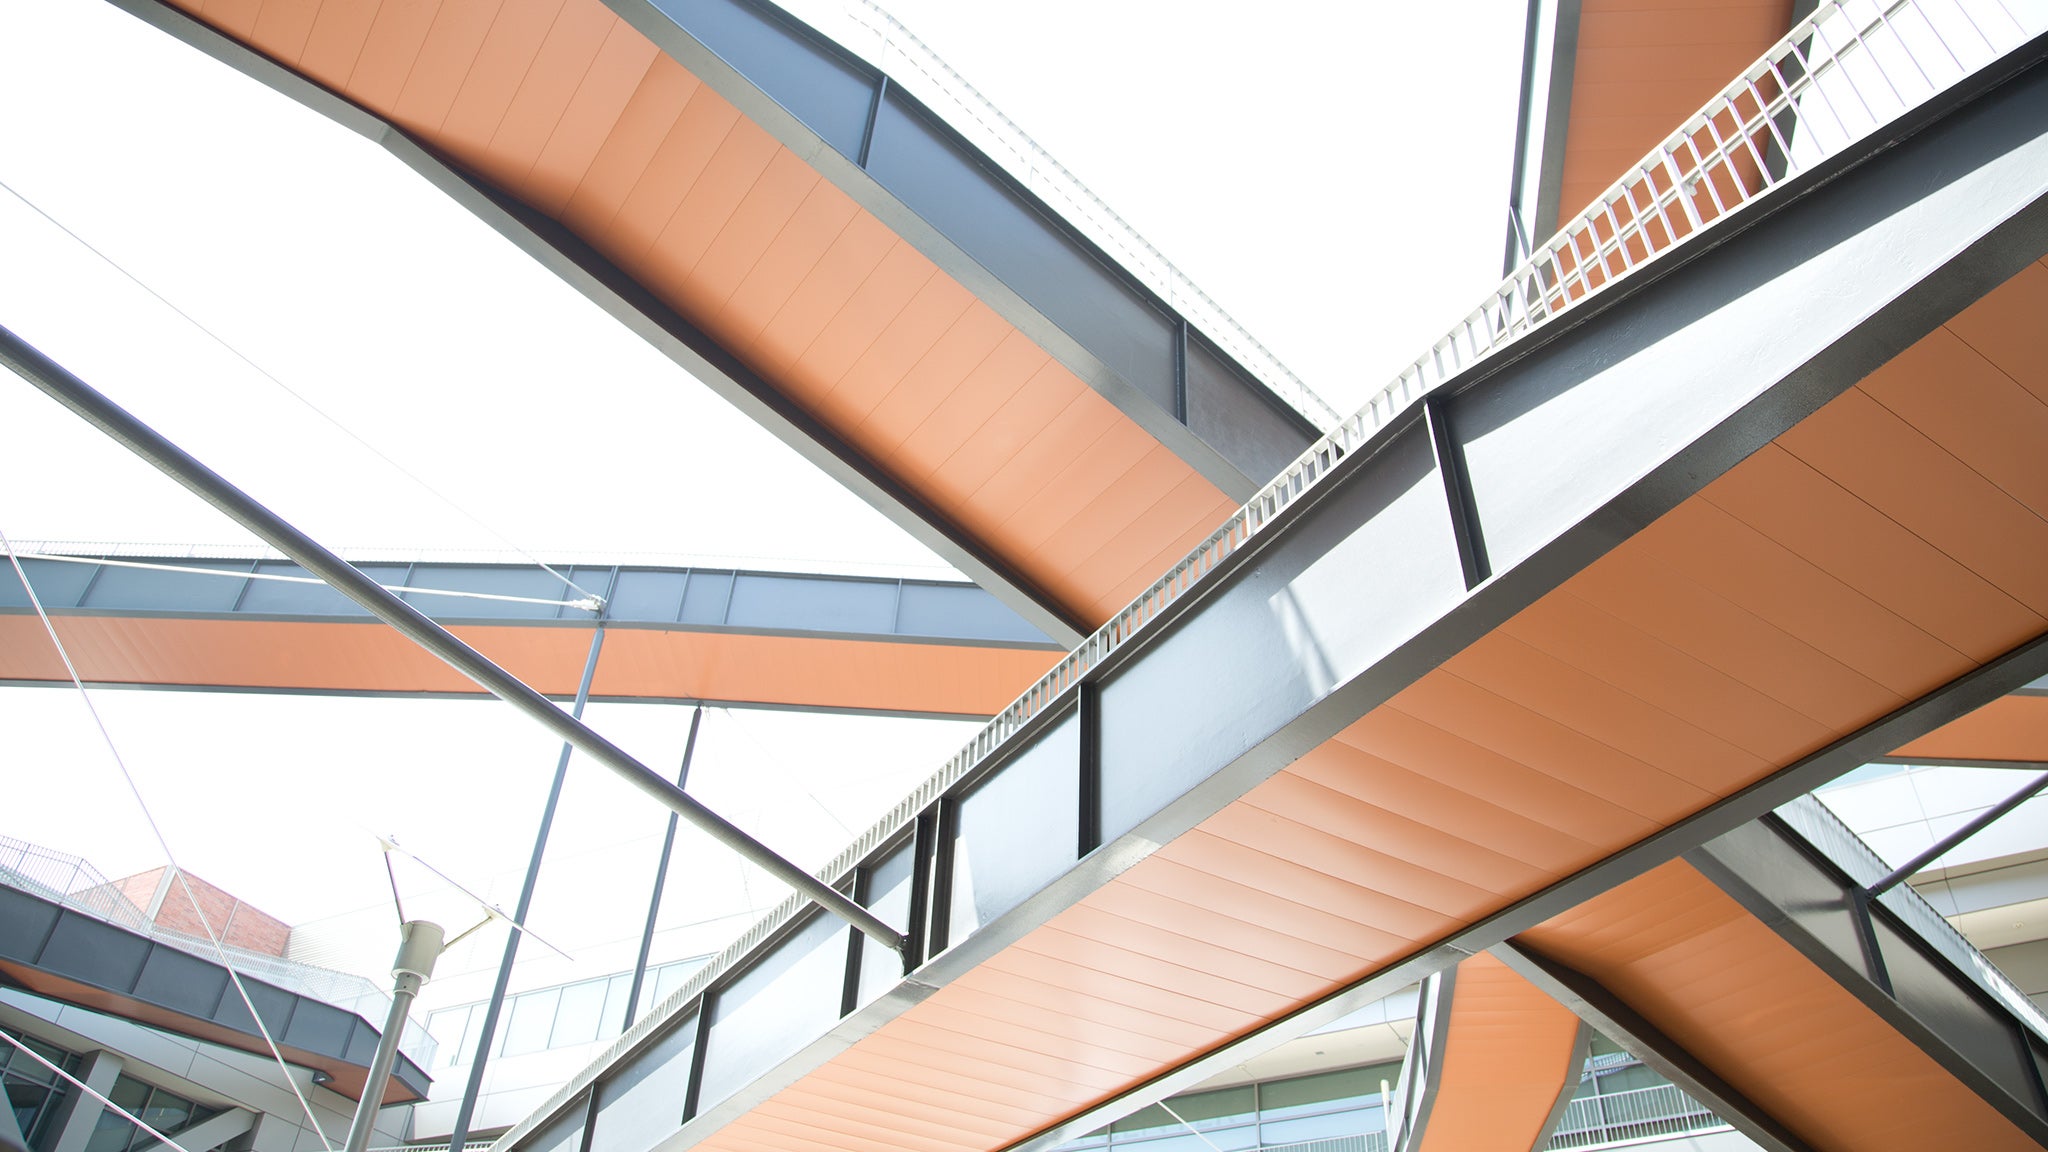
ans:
x=1591 y=604
x=794 y=640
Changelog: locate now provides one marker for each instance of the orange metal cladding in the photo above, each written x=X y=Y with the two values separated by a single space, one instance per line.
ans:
x=1725 y=987
x=266 y=655
x=2014 y=728
x=565 y=106
x=1645 y=65
x=1884 y=546
x=1509 y=1053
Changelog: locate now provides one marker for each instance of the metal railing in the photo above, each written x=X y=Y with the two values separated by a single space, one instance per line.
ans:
x=1848 y=69
x=76 y=884
x=974 y=117
x=1639 y=1113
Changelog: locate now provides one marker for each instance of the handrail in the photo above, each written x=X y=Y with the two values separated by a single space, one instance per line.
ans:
x=1764 y=128
x=1026 y=159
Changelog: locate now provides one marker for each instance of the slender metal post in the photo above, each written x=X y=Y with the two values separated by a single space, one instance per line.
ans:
x=1989 y=817
x=668 y=844
x=53 y=380
x=467 y=1109
x=419 y=945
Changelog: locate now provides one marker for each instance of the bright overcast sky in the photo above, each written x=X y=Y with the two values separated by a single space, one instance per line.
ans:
x=1335 y=175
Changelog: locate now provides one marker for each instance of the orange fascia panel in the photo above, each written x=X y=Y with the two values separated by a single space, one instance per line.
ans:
x=564 y=106
x=1725 y=987
x=2011 y=728
x=1509 y=1054
x=1641 y=69
x=290 y=656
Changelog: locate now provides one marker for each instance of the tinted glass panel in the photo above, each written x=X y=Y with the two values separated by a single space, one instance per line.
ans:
x=781 y=1004
x=1017 y=831
x=531 y=1018
x=582 y=1009
x=642 y=1103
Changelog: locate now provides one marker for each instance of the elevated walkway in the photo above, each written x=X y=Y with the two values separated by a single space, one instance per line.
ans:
x=1605 y=593
x=88 y=946
x=809 y=240
x=831 y=643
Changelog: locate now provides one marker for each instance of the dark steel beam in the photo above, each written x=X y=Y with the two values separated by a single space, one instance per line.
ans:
x=982 y=227
x=1614 y=1018
x=1815 y=905
x=54 y=381
x=1550 y=52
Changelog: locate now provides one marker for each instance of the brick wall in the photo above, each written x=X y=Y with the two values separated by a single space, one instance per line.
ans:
x=232 y=921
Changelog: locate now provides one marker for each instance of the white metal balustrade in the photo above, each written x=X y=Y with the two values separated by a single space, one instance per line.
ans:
x=1640 y=1113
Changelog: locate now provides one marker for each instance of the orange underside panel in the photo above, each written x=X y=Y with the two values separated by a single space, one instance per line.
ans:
x=1783 y=1033
x=2014 y=728
x=1816 y=587
x=860 y=675
x=1642 y=67
x=563 y=105
x=1509 y=1054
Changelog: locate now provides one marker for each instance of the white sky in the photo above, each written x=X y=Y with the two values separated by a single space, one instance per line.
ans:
x=1335 y=175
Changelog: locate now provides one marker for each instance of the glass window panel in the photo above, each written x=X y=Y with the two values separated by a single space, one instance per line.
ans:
x=1017 y=831
x=641 y=1104
x=114 y=1133
x=615 y=990
x=1349 y=1122
x=447 y=1027
x=166 y=1112
x=1321 y=1093
x=889 y=895
x=1179 y=1139
x=27 y=1100
x=788 y=999
x=576 y=1020
x=669 y=978
x=531 y=1018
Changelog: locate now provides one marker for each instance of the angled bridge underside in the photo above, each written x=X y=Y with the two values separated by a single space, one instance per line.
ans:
x=851 y=273
x=1753 y=518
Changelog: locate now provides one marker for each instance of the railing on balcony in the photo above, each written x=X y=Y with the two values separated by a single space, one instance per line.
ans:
x=1637 y=1114
x=76 y=884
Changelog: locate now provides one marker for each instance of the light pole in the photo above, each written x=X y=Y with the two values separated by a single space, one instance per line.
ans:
x=419 y=945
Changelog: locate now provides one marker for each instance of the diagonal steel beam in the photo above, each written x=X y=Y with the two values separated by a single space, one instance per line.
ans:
x=1622 y=1024
x=53 y=380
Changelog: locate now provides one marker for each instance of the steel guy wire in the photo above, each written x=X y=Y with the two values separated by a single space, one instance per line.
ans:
x=296 y=395
x=149 y=817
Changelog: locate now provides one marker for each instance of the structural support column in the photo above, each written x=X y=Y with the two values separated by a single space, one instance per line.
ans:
x=467 y=1110
x=79 y=1114
x=668 y=845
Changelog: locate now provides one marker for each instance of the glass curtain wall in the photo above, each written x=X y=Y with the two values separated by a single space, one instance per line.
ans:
x=557 y=1017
